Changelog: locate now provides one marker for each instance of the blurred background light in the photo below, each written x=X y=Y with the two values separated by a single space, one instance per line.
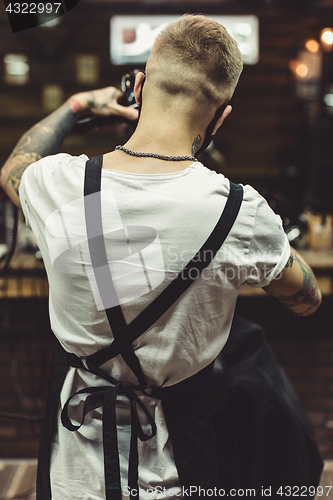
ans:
x=302 y=70
x=326 y=37
x=16 y=69
x=312 y=45
x=328 y=99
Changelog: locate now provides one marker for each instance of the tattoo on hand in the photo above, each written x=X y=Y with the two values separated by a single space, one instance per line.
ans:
x=196 y=144
x=93 y=105
x=98 y=101
x=308 y=294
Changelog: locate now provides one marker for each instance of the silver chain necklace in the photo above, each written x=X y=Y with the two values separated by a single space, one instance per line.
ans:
x=156 y=155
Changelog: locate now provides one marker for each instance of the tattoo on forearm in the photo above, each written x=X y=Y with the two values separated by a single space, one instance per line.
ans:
x=290 y=260
x=20 y=163
x=196 y=144
x=308 y=294
x=43 y=139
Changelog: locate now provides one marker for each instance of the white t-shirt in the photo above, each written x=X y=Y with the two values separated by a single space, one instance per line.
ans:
x=153 y=225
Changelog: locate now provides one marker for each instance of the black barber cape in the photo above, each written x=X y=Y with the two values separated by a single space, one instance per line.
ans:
x=265 y=440
x=187 y=406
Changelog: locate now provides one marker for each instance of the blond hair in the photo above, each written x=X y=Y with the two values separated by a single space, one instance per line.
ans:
x=198 y=50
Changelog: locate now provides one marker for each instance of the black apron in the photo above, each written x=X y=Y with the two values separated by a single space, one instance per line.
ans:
x=187 y=406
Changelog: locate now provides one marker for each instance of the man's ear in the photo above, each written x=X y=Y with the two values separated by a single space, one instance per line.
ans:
x=219 y=122
x=137 y=87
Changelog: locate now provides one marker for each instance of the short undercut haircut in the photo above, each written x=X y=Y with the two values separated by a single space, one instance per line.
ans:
x=205 y=47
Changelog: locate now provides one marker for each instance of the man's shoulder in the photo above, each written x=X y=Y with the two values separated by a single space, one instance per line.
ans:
x=45 y=173
x=58 y=160
x=250 y=193
x=42 y=179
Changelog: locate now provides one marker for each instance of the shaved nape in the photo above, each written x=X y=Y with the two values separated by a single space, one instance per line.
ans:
x=177 y=78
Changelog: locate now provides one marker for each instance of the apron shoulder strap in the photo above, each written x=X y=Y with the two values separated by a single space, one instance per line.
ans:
x=97 y=250
x=125 y=334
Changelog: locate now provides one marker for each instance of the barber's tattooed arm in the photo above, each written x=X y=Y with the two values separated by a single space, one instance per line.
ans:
x=42 y=139
x=296 y=288
x=309 y=294
x=291 y=260
x=46 y=137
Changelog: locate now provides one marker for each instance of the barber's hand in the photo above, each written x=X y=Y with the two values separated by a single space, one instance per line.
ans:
x=102 y=102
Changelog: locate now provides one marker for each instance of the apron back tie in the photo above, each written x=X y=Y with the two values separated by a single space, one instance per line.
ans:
x=106 y=396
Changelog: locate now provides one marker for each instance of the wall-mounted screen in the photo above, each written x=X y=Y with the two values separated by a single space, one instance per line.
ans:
x=132 y=37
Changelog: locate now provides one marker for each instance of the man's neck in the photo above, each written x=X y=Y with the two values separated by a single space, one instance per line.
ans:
x=167 y=137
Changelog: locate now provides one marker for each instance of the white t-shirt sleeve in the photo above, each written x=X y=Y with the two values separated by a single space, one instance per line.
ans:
x=46 y=183
x=269 y=249
x=29 y=188
x=24 y=203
